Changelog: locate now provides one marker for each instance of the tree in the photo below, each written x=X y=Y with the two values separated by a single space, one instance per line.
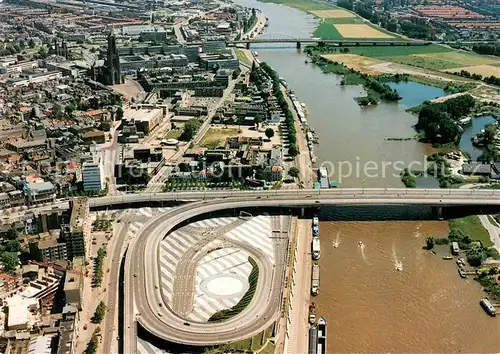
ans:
x=57 y=111
x=429 y=242
x=190 y=129
x=293 y=172
x=99 y=313
x=10 y=261
x=292 y=150
x=119 y=113
x=93 y=343
x=13 y=246
x=269 y=133
x=69 y=109
x=12 y=234
x=31 y=43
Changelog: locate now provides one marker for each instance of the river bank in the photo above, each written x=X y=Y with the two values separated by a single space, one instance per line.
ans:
x=427 y=299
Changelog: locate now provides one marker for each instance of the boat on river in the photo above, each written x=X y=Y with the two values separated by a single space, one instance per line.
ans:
x=322 y=336
x=448 y=257
x=488 y=307
x=462 y=273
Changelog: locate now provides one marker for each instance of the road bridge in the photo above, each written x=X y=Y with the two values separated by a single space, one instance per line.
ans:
x=337 y=196
x=345 y=42
x=143 y=298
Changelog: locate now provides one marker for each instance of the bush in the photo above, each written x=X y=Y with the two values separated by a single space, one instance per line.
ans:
x=441 y=241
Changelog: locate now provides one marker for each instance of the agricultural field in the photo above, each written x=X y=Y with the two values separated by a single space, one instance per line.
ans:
x=326 y=30
x=484 y=70
x=357 y=62
x=445 y=61
x=336 y=13
x=360 y=31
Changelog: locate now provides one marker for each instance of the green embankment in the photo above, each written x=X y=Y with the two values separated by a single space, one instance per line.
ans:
x=471 y=225
x=245 y=300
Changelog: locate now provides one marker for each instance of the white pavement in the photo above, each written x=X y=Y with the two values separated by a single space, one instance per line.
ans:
x=221 y=282
x=297 y=341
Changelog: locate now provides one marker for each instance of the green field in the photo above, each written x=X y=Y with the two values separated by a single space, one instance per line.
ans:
x=392 y=51
x=326 y=31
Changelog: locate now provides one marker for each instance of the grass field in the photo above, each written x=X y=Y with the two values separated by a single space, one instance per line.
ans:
x=336 y=13
x=360 y=31
x=391 y=51
x=240 y=54
x=216 y=136
x=356 y=62
x=175 y=133
x=484 y=70
x=326 y=31
x=471 y=225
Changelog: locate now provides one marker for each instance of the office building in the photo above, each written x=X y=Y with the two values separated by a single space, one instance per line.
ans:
x=92 y=176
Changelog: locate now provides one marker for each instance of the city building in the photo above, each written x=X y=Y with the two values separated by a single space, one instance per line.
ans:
x=68 y=331
x=73 y=283
x=92 y=176
x=40 y=192
x=145 y=120
x=76 y=233
x=49 y=249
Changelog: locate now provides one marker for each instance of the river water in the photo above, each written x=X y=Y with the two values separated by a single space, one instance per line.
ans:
x=369 y=305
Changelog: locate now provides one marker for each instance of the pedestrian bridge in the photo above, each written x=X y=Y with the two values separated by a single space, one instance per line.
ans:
x=317 y=197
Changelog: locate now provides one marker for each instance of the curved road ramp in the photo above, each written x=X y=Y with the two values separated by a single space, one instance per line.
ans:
x=210 y=282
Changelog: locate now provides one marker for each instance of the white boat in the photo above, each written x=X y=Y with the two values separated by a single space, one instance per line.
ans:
x=361 y=244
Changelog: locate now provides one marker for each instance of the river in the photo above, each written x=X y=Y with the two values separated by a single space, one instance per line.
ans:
x=370 y=307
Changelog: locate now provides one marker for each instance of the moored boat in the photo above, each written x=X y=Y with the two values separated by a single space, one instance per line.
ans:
x=447 y=257
x=462 y=273
x=322 y=336
x=488 y=307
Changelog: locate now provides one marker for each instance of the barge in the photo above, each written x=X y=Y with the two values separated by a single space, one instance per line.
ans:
x=313 y=339
x=321 y=336
x=315 y=280
x=316 y=252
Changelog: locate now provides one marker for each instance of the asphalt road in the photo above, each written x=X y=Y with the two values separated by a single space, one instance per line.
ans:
x=142 y=271
x=308 y=197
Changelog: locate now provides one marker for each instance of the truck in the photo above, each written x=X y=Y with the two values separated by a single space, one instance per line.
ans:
x=316 y=252
x=315 y=280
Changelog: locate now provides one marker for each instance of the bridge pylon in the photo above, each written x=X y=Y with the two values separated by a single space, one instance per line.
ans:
x=299 y=45
x=248 y=45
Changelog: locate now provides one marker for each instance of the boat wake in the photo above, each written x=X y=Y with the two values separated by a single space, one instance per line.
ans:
x=398 y=265
x=336 y=243
x=362 y=248
x=417 y=233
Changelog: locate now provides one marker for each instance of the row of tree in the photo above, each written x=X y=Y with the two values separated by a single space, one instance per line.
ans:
x=438 y=121
x=289 y=121
x=99 y=264
x=492 y=80
x=489 y=49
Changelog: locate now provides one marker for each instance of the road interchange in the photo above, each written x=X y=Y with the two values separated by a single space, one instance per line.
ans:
x=144 y=301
